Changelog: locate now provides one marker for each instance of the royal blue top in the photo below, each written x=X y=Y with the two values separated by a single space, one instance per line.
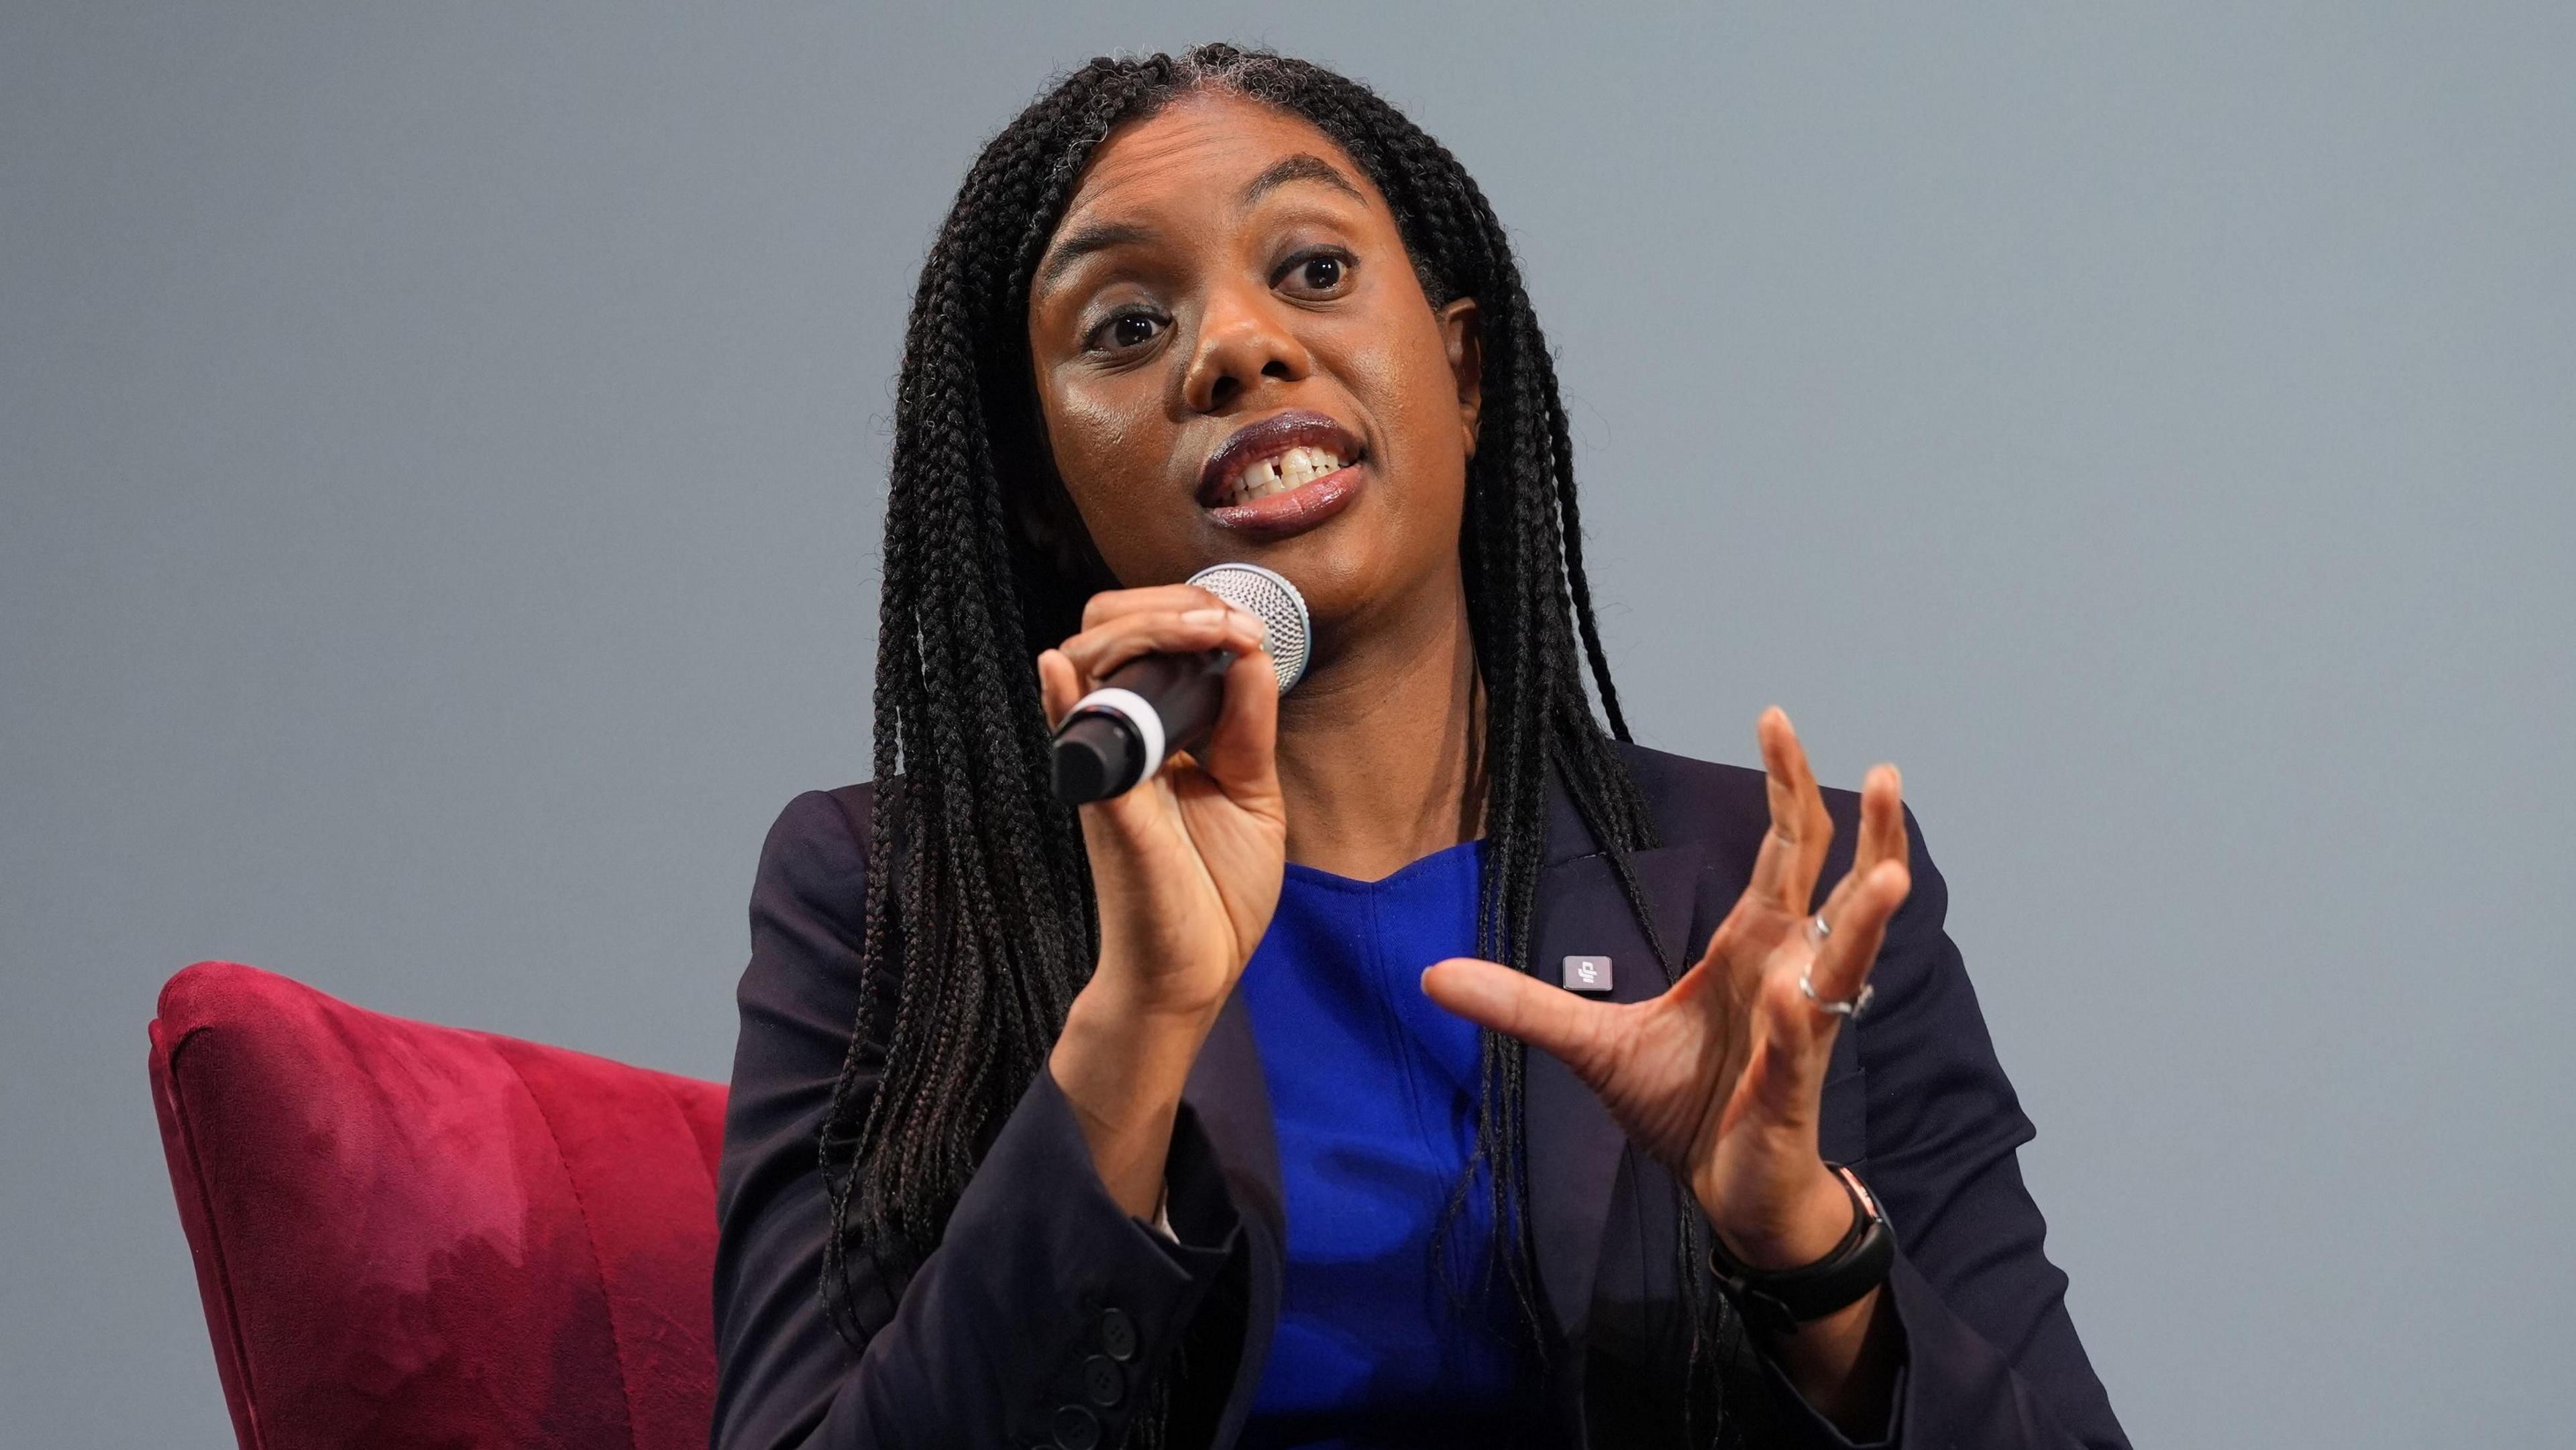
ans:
x=1373 y=1089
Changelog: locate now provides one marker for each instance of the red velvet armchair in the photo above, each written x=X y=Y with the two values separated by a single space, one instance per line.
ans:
x=416 y=1236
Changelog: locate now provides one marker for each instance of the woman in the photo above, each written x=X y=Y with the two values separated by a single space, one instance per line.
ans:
x=1146 y=1124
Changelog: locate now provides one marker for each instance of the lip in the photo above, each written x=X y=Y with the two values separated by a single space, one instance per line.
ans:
x=1299 y=508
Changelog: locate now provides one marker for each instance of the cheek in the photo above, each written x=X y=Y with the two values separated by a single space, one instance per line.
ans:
x=1416 y=400
x=1096 y=437
x=1110 y=445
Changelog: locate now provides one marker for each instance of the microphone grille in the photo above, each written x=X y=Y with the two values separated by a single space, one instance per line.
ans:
x=1281 y=608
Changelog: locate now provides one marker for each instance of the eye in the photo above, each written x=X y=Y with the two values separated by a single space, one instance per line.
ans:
x=1317 y=274
x=1124 y=331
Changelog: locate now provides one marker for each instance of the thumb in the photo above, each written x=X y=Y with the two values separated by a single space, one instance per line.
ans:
x=1492 y=995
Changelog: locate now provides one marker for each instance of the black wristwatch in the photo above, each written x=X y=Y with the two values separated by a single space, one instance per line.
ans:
x=1782 y=1299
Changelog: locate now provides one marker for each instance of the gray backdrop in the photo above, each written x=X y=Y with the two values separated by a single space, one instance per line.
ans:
x=442 y=450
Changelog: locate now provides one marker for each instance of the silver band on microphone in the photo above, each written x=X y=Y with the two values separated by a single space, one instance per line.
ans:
x=1137 y=711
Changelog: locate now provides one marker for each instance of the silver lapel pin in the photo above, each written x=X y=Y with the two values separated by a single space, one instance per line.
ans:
x=1587 y=974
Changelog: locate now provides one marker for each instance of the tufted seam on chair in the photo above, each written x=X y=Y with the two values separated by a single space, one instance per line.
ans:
x=581 y=1205
x=214 y=1236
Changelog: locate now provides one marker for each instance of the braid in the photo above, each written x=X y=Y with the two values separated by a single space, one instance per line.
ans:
x=980 y=924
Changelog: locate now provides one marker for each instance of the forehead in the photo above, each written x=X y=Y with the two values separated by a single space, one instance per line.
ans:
x=1200 y=148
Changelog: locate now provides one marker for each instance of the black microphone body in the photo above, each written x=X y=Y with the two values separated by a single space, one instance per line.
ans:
x=1100 y=753
x=1156 y=704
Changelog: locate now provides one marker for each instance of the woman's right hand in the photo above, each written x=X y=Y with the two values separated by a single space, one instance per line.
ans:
x=1186 y=868
x=1187 y=865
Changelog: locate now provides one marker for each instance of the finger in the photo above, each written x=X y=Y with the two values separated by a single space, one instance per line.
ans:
x=1111 y=604
x=1832 y=911
x=1882 y=820
x=1242 y=752
x=1059 y=685
x=1096 y=652
x=1882 y=837
x=1842 y=964
x=1551 y=1018
x=1792 y=1051
x=1793 y=1036
x=1793 y=850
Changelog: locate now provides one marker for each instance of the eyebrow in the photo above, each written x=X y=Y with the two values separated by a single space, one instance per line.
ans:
x=1099 y=237
x=1304 y=166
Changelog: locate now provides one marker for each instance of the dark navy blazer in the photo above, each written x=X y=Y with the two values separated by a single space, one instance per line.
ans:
x=1047 y=1308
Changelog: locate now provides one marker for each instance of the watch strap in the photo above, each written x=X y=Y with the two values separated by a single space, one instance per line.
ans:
x=1779 y=1300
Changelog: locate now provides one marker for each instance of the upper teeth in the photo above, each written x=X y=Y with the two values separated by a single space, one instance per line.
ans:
x=1279 y=473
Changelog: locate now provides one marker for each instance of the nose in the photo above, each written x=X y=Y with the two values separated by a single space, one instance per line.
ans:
x=1243 y=338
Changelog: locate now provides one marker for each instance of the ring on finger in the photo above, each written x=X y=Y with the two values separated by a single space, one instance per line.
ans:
x=1849 y=1008
x=1818 y=928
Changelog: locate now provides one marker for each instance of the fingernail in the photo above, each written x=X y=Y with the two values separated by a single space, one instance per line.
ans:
x=1210 y=615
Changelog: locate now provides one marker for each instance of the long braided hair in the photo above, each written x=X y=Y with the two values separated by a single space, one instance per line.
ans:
x=980 y=924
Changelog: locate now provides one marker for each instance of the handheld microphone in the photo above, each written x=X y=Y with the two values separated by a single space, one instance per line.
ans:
x=1155 y=704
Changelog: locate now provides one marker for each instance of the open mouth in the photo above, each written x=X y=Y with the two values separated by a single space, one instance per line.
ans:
x=1282 y=474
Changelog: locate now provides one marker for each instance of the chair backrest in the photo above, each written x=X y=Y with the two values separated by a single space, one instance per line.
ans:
x=416 y=1236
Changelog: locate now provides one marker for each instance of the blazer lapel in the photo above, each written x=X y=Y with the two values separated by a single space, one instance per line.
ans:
x=1232 y=1100
x=1573 y=1147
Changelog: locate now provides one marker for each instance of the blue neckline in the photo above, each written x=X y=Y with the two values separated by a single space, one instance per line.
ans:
x=1366 y=1341
x=1317 y=876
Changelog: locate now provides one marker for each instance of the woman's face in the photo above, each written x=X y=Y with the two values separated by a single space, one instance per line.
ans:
x=1235 y=361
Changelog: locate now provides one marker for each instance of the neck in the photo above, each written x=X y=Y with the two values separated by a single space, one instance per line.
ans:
x=1381 y=745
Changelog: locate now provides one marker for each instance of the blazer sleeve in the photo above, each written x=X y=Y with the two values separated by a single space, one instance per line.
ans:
x=1044 y=1312
x=1991 y=1357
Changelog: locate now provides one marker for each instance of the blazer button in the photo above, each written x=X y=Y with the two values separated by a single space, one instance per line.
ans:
x=1076 y=1428
x=1118 y=1334
x=1103 y=1381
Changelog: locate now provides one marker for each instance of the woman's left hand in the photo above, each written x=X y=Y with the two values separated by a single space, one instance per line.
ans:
x=1721 y=1077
